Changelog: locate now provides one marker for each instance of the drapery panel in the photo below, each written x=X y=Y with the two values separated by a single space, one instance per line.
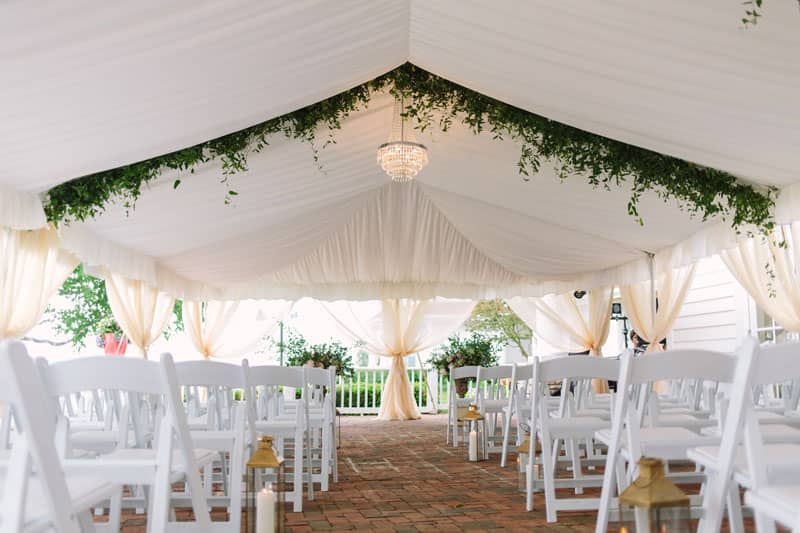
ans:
x=637 y=300
x=140 y=310
x=33 y=268
x=397 y=328
x=767 y=269
x=228 y=328
x=562 y=322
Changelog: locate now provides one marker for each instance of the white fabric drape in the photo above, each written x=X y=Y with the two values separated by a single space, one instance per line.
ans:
x=767 y=269
x=562 y=322
x=140 y=310
x=397 y=328
x=637 y=300
x=230 y=329
x=33 y=268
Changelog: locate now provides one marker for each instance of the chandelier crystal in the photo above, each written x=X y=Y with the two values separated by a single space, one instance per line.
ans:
x=402 y=157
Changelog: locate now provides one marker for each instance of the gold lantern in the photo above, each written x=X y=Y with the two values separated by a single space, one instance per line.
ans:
x=653 y=503
x=265 y=490
x=476 y=434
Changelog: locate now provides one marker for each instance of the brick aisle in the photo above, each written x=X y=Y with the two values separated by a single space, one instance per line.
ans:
x=399 y=476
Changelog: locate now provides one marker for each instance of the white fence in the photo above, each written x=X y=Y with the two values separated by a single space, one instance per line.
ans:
x=361 y=393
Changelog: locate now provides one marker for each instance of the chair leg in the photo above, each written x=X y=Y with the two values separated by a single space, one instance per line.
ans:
x=115 y=511
x=549 y=464
x=735 y=520
x=299 y=458
x=577 y=473
x=506 y=431
x=326 y=457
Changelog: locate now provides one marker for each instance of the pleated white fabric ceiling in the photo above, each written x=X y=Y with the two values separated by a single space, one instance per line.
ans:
x=87 y=86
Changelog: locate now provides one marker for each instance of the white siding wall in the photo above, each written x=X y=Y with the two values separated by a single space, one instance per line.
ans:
x=715 y=315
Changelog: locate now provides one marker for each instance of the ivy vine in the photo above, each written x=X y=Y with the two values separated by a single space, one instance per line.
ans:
x=604 y=162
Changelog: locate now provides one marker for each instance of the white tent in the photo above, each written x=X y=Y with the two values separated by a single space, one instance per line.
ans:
x=91 y=86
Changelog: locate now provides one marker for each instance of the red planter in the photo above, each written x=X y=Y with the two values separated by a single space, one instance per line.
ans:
x=113 y=345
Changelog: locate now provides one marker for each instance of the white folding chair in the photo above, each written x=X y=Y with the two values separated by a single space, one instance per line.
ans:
x=743 y=458
x=628 y=441
x=37 y=493
x=264 y=416
x=563 y=426
x=173 y=457
x=493 y=386
x=518 y=405
x=321 y=416
x=226 y=433
x=454 y=403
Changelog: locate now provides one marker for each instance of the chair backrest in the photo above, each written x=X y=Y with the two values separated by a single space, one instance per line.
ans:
x=575 y=367
x=321 y=383
x=34 y=448
x=275 y=376
x=491 y=373
x=103 y=372
x=681 y=364
x=522 y=372
x=777 y=363
x=463 y=372
x=210 y=374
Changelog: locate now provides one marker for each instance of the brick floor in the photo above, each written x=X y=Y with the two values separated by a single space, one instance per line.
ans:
x=399 y=476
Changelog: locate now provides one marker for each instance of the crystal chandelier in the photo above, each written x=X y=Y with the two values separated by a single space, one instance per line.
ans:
x=402 y=157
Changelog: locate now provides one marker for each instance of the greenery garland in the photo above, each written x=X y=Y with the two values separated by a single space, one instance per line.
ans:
x=703 y=191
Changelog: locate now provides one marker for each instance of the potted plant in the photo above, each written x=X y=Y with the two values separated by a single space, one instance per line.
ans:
x=110 y=337
x=475 y=350
x=324 y=356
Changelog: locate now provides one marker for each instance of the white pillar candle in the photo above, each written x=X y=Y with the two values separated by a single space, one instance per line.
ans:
x=473 y=445
x=265 y=510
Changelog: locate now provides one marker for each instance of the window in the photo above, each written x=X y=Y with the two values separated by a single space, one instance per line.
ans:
x=769 y=331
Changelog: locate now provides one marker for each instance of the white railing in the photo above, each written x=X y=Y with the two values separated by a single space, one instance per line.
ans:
x=361 y=393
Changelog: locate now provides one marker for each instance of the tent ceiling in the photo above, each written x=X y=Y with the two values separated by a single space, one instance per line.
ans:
x=92 y=86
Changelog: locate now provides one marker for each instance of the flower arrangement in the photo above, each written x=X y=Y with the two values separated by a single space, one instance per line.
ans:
x=475 y=350
x=324 y=356
x=108 y=325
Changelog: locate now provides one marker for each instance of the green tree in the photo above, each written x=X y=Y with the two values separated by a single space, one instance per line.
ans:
x=495 y=319
x=89 y=311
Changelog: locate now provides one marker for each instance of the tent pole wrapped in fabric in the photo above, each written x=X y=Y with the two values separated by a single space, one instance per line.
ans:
x=34 y=267
x=561 y=322
x=142 y=311
x=653 y=306
x=769 y=273
x=398 y=328
x=229 y=329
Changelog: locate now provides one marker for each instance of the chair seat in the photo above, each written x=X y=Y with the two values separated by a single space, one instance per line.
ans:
x=578 y=427
x=770 y=433
x=664 y=442
x=277 y=427
x=770 y=417
x=780 y=461
x=85 y=490
x=684 y=420
x=780 y=502
x=124 y=464
x=597 y=412
x=217 y=440
x=494 y=406
x=95 y=441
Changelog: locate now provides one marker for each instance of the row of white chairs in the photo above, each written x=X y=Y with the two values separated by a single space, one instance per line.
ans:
x=732 y=417
x=76 y=432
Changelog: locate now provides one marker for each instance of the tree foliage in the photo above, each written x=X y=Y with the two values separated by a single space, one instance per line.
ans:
x=495 y=319
x=89 y=312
